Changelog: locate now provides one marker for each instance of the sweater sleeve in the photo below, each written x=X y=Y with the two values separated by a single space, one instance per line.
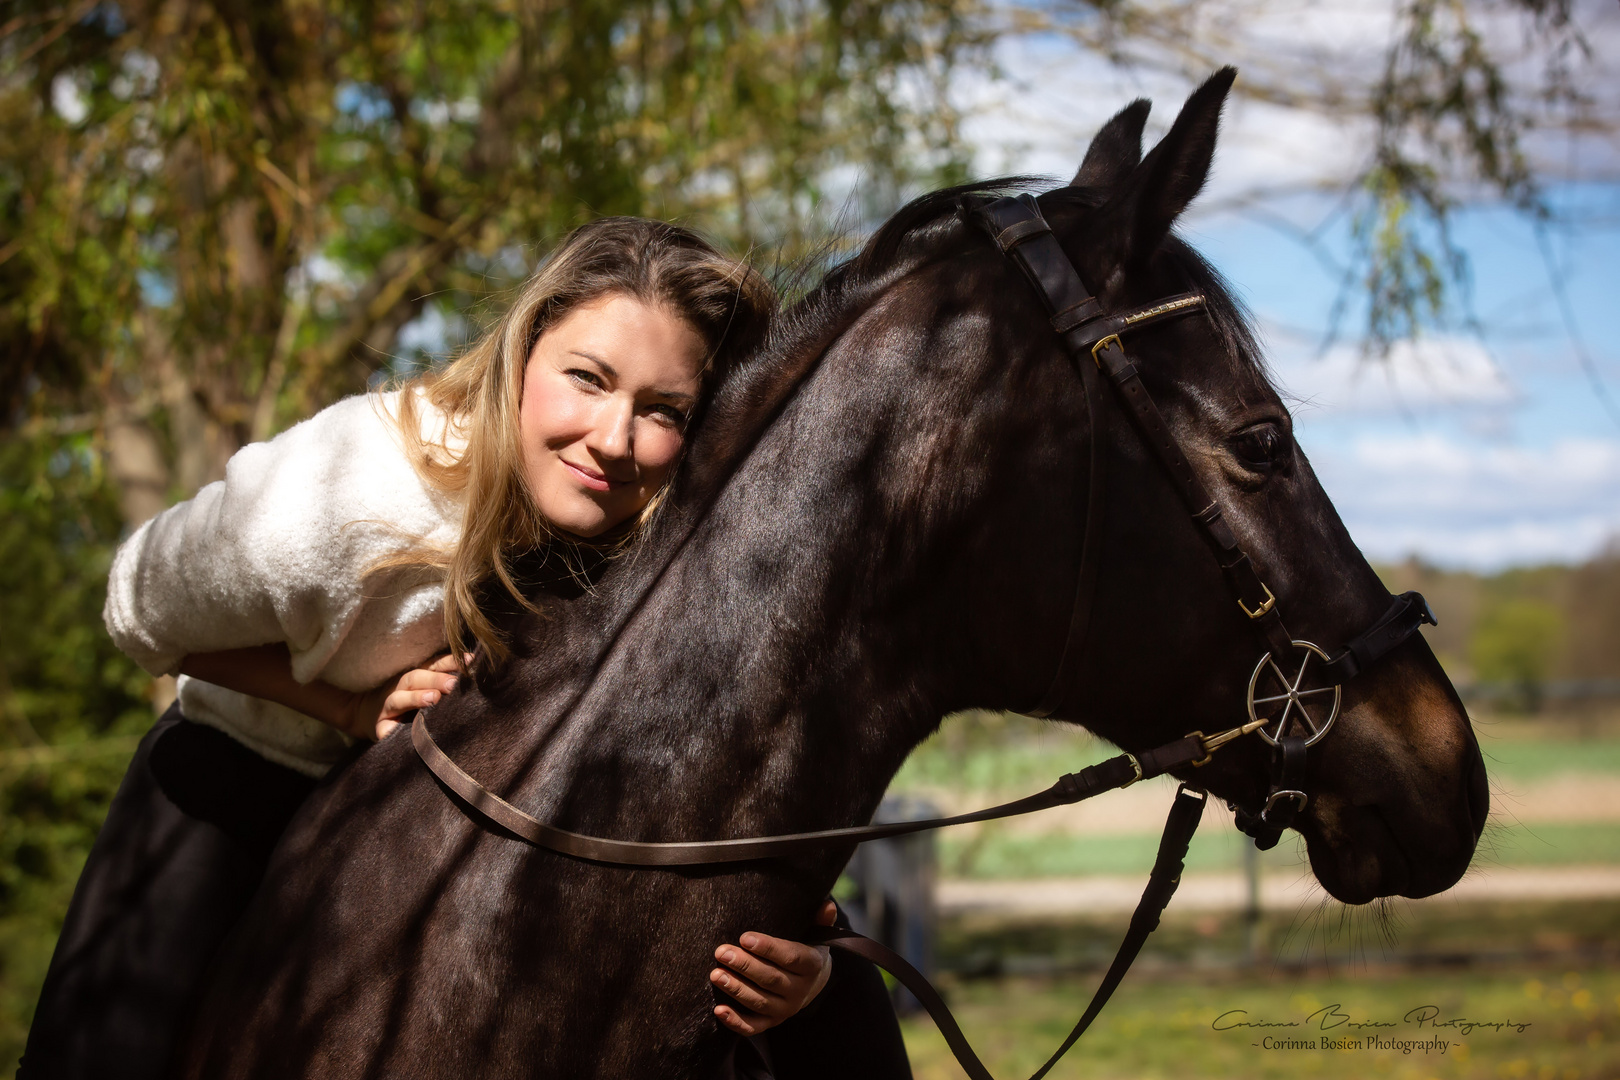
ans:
x=279 y=550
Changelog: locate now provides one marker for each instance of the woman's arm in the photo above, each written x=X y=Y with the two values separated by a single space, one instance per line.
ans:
x=265 y=671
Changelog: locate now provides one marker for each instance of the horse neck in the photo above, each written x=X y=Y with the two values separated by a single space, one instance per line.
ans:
x=817 y=620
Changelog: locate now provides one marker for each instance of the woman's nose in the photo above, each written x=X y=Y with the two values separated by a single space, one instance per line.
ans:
x=612 y=437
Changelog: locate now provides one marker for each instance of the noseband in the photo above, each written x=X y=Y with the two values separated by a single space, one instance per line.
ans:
x=1290 y=706
x=1281 y=695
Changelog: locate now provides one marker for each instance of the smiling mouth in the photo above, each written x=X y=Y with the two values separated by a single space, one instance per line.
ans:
x=592 y=479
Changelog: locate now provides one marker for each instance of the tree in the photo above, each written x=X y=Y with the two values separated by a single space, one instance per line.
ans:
x=1514 y=646
x=1459 y=100
x=219 y=215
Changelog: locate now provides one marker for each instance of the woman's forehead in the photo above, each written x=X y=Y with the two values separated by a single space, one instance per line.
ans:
x=630 y=341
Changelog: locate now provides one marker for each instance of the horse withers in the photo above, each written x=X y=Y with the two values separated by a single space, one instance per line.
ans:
x=880 y=522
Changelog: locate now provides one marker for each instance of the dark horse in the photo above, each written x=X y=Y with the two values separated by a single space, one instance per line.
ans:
x=878 y=524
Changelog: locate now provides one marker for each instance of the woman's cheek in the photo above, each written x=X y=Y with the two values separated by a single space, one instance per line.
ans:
x=555 y=413
x=656 y=450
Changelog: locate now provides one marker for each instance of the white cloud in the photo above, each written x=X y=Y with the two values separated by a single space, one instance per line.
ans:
x=1465 y=503
x=1412 y=447
x=1415 y=376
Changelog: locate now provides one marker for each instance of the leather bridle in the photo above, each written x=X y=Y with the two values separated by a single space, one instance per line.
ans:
x=1021 y=232
x=1093 y=340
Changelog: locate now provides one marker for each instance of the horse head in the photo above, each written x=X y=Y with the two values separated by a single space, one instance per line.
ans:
x=1397 y=794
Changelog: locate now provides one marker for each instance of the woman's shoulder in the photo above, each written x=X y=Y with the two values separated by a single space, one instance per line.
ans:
x=357 y=419
x=346 y=462
x=356 y=433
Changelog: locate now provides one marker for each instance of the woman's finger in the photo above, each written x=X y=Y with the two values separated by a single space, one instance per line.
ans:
x=447 y=662
x=762 y=972
x=787 y=955
x=425 y=679
x=404 y=701
x=828 y=914
x=736 y=1022
x=746 y=993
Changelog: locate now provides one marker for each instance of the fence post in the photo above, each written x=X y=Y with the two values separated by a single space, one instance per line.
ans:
x=894 y=897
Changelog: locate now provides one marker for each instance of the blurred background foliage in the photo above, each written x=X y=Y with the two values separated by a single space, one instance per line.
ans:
x=218 y=216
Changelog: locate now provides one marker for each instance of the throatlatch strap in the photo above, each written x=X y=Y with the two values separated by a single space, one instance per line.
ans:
x=1179 y=828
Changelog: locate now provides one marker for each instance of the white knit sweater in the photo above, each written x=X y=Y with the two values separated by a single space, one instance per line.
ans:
x=278 y=551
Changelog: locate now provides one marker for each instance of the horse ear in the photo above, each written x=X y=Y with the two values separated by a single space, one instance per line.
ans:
x=1116 y=149
x=1144 y=207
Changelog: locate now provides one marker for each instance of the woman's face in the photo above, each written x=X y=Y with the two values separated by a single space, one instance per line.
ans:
x=606 y=395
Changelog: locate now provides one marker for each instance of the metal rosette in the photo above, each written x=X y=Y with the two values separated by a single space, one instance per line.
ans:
x=1280 y=698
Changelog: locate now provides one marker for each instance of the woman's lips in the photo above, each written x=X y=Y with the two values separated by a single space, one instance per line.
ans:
x=591 y=478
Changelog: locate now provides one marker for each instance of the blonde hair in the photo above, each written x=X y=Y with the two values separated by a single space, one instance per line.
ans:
x=724 y=300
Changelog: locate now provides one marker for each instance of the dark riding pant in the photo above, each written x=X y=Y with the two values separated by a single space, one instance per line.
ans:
x=185 y=843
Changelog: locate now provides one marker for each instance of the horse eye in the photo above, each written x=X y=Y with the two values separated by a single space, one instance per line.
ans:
x=1260 y=447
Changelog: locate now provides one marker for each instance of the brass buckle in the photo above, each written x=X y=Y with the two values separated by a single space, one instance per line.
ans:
x=1209 y=751
x=1271 y=602
x=1137 y=765
x=1103 y=344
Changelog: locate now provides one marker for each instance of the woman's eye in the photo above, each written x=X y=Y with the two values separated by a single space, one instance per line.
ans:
x=669 y=413
x=1260 y=447
x=589 y=378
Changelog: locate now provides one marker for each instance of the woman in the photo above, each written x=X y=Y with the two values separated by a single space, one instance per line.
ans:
x=320 y=594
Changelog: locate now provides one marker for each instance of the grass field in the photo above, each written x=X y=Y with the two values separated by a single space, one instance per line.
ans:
x=1019 y=986
x=984 y=752
x=1158 y=1027
x=1546 y=965
x=994 y=854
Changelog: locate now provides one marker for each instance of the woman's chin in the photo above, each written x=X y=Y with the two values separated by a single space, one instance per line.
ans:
x=574 y=513
x=584 y=522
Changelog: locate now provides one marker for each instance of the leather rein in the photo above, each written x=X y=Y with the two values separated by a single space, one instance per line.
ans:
x=1089 y=334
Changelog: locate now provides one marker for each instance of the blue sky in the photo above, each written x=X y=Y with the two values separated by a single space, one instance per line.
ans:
x=1472 y=450
x=1479 y=450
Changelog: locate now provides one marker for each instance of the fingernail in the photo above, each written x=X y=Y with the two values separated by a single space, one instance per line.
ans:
x=749 y=942
x=450 y=684
x=431 y=697
x=727 y=956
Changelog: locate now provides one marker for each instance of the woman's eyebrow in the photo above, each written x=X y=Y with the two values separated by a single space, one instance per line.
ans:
x=606 y=367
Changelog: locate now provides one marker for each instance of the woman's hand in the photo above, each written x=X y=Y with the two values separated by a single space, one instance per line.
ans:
x=375 y=713
x=771 y=978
